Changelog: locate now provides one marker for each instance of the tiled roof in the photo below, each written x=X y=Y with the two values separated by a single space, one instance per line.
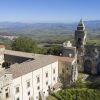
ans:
x=3 y=72
x=2 y=46
x=26 y=67
x=64 y=59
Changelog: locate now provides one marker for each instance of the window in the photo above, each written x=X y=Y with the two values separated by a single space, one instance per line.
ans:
x=47 y=83
x=4 y=75
x=77 y=61
x=7 y=95
x=53 y=71
x=63 y=71
x=46 y=74
x=17 y=89
x=72 y=67
x=79 y=41
x=74 y=73
x=38 y=79
x=28 y=93
x=53 y=88
x=38 y=87
x=17 y=98
x=28 y=84
x=6 y=89
x=54 y=78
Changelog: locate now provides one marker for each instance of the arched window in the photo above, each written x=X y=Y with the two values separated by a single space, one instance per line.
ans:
x=79 y=41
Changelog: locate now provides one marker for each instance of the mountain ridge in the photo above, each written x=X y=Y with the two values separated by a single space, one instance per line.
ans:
x=38 y=28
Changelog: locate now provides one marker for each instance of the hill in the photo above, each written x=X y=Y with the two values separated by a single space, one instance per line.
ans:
x=46 y=32
x=93 y=27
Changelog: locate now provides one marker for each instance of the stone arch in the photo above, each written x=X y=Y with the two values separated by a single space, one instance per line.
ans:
x=80 y=41
x=87 y=66
x=98 y=68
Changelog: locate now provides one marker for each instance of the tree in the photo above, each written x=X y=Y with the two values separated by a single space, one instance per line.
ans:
x=24 y=44
x=55 y=50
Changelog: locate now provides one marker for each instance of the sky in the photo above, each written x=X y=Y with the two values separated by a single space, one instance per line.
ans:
x=49 y=10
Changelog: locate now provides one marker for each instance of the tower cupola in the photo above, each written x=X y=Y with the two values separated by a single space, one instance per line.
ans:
x=81 y=25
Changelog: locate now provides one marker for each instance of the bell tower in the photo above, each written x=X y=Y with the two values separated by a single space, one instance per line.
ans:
x=80 y=41
x=80 y=38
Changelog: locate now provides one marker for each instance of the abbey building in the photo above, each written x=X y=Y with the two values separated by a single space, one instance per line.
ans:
x=29 y=76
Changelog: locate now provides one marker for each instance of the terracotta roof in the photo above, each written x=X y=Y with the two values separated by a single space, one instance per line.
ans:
x=39 y=61
x=64 y=59
x=2 y=46
x=35 y=56
x=21 y=69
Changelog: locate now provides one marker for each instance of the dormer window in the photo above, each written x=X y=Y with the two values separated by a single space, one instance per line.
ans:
x=53 y=71
x=28 y=84
x=46 y=74
x=17 y=89
x=38 y=79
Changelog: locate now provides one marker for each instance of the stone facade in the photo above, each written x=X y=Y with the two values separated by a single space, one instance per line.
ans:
x=92 y=59
x=70 y=71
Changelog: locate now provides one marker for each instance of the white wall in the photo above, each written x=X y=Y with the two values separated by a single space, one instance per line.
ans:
x=1 y=60
x=37 y=73
x=1 y=56
x=56 y=73
x=32 y=77
x=17 y=83
x=27 y=78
